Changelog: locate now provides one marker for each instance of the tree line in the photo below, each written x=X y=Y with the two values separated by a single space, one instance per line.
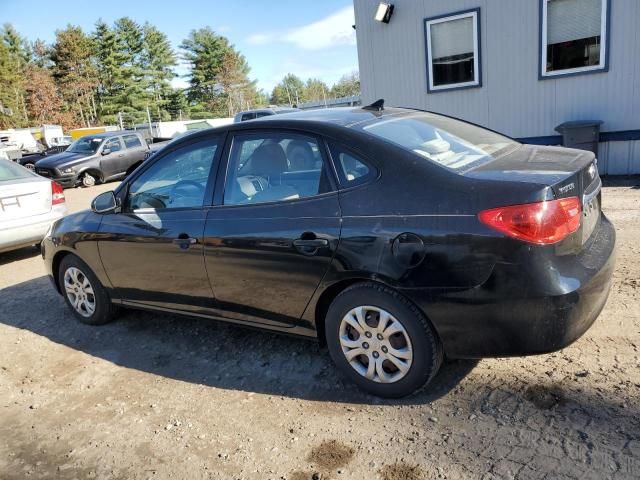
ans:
x=122 y=73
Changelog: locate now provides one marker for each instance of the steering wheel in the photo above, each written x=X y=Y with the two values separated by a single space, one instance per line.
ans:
x=182 y=184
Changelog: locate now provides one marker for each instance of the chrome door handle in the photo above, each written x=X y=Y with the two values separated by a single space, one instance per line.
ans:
x=310 y=246
x=314 y=243
x=185 y=242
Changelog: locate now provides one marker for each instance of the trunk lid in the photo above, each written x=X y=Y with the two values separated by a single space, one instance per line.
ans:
x=24 y=197
x=566 y=172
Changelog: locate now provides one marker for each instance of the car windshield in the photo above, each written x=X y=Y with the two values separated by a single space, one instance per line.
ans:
x=449 y=142
x=12 y=171
x=85 y=145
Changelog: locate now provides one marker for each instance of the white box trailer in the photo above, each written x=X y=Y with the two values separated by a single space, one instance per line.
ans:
x=20 y=138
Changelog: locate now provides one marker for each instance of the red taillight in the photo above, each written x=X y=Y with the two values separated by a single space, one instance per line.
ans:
x=542 y=223
x=57 y=193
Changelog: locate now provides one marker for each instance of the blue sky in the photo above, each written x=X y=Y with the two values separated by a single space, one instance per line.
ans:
x=311 y=38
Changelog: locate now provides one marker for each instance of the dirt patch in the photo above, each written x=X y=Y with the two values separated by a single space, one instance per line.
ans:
x=544 y=397
x=401 y=471
x=331 y=455
x=299 y=476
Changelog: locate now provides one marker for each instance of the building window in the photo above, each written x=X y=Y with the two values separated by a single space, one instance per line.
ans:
x=574 y=36
x=453 y=51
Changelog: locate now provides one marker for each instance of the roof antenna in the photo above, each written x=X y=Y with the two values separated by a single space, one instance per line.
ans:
x=376 y=106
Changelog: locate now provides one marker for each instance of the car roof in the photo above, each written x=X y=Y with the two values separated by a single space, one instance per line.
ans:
x=109 y=134
x=341 y=116
x=322 y=120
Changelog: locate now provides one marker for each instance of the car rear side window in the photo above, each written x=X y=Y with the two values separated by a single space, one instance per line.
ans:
x=248 y=116
x=132 y=141
x=275 y=167
x=352 y=170
x=178 y=179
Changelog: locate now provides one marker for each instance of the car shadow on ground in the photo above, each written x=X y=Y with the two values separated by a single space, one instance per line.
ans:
x=201 y=351
x=17 y=255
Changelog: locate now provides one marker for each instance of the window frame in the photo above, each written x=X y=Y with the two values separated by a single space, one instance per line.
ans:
x=474 y=13
x=605 y=39
x=223 y=175
x=122 y=192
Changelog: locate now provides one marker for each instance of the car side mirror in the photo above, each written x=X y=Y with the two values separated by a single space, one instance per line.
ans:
x=106 y=202
x=106 y=151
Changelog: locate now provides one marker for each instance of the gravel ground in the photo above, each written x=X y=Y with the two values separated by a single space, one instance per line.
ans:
x=158 y=396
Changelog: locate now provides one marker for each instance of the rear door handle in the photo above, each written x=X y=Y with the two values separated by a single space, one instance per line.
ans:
x=315 y=243
x=184 y=241
x=310 y=245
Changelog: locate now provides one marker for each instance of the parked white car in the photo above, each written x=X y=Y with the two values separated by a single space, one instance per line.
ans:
x=29 y=204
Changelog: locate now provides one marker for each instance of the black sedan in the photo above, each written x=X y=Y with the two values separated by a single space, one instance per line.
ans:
x=396 y=237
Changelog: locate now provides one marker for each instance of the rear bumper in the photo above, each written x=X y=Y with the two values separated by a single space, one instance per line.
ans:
x=29 y=232
x=493 y=321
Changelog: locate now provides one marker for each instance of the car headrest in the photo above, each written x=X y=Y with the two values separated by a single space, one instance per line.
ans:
x=300 y=155
x=269 y=160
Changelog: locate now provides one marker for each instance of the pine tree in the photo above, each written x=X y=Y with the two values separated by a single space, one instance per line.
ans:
x=75 y=73
x=219 y=75
x=158 y=58
x=109 y=57
x=14 y=55
x=131 y=97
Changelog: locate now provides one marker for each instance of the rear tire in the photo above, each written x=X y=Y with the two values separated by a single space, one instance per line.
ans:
x=83 y=292
x=391 y=360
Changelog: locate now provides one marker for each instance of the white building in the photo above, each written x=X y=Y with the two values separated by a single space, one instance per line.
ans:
x=521 y=67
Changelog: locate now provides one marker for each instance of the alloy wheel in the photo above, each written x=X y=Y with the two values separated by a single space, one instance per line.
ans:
x=79 y=292
x=376 y=344
x=88 y=180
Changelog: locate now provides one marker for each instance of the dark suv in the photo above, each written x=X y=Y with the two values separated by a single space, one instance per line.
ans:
x=95 y=158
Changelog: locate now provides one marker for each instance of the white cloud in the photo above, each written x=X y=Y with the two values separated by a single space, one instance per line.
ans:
x=260 y=38
x=328 y=32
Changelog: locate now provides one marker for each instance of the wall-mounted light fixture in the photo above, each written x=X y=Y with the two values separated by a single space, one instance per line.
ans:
x=384 y=12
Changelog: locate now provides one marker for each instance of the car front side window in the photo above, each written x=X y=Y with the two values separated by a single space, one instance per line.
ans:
x=176 y=180
x=113 y=145
x=275 y=167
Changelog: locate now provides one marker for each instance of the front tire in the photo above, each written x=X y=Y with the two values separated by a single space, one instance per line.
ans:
x=83 y=292
x=381 y=341
x=88 y=180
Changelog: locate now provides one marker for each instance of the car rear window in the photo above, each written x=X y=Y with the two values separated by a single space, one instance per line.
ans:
x=449 y=142
x=12 y=171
